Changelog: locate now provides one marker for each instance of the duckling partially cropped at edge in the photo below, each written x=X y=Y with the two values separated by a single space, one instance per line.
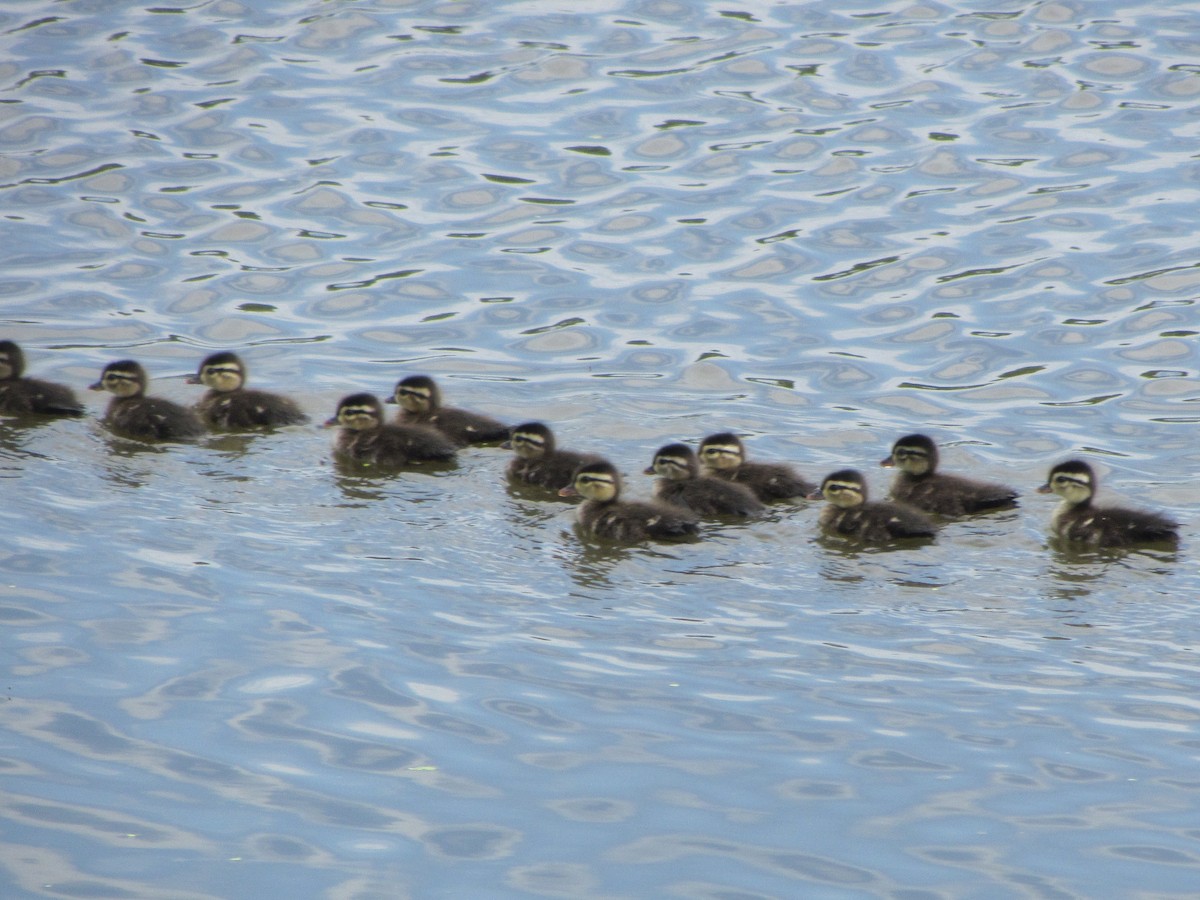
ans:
x=604 y=514
x=20 y=395
x=230 y=404
x=420 y=400
x=1076 y=519
x=369 y=441
x=919 y=484
x=724 y=456
x=850 y=513
x=681 y=484
x=132 y=414
x=537 y=459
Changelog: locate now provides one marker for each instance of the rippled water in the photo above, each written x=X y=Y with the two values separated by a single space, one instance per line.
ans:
x=232 y=671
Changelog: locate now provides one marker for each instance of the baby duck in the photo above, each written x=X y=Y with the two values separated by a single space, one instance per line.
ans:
x=919 y=484
x=538 y=461
x=681 y=484
x=132 y=414
x=19 y=395
x=604 y=514
x=850 y=514
x=230 y=404
x=1076 y=519
x=724 y=456
x=369 y=441
x=421 y=404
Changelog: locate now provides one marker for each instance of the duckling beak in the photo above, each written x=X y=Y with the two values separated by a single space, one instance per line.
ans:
x=96 y=386
x=192 y=379
x=887 y=462
x=815 y=495
x=330 y=423
x=649 y=470
x=507 y=445
x=1045 y=489
x=392 y=400
x=568 y=491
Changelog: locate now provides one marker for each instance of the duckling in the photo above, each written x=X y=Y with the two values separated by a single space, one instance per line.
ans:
x=366 y=439
x=919 y=484
x=850 y=513
x=230 y=404
x=1076 y=519
x=20 y=395
x=538 y=461
x=682 y=485
x=724 y=456
x=421 y=404
x=604 y=514
x=132 y=414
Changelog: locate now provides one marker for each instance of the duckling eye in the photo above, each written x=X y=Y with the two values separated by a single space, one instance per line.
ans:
x=909 y=453
x=529 y=440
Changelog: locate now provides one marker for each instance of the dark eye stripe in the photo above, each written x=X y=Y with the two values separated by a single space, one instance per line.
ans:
x=909 y=451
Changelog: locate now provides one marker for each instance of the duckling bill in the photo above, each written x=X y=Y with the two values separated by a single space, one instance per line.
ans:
x=1078 y=520
x=365 y=439
x=603 y=514
x=132 y=414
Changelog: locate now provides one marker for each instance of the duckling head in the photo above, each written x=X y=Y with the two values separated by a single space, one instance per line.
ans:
x=845 y=489
x=1073 y=480
x=220 y=372
x=124 y=378
x=674 y=462
x=914 y=454
x=722 y=451
x=597 y=481
x=12 y=361
x=417 y=394
x=533 y=440
x=358 y=412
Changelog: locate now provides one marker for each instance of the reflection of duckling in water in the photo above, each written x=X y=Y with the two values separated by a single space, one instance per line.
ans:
x=680 y=483
x=537 y=459
x=20 y=395
x=1076 y=519
x=420 y=403
x=604 y=514
x=230 y=404
x=849 y=513
x=724 y=456
x=919 y=484
x=132 y=414
x=366 y=439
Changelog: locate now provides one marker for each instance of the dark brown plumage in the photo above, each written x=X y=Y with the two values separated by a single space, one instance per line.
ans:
x=537 y=460
x=21 y=396
x=604 y=514
x=1079 y=521
x=231 y=405
x=919 y=484
x=680 y=483
x=366 y=440
x=849 y=512
x=420 y=400
x=132 y=414
x=724 y=456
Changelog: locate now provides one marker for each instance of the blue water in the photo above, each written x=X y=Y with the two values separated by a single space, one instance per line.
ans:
x=231 y=670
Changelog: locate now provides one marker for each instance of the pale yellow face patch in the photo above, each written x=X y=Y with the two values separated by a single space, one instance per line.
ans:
x=528 y=446
x=222 y=376
x=670 y=466
x=843 y=494
x=358 y=418
x=122 y=384
x=413 y=399
x=721 y=456
x=596 y=486
x=913 y=460
x=1074 y=487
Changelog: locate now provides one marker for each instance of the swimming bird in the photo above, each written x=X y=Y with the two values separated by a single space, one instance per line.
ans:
x=681 y=484
x=850 y=513
x=724 y=456
x=132 y=414
x=919 y=484
x=604 y=514
x=230 y=404
x=537 y=459
x=19 y=395
x=420 y=400
x=1076 y=519
x=367 y=440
